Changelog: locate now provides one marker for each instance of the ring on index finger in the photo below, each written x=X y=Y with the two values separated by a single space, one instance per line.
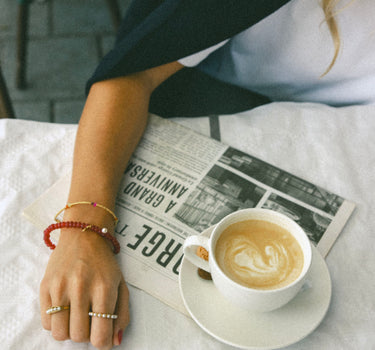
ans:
x=54 y=309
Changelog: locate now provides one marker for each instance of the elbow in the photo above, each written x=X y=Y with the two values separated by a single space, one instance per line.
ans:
x=145 y=82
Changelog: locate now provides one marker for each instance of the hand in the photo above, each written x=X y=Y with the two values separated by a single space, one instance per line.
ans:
x=82 y=272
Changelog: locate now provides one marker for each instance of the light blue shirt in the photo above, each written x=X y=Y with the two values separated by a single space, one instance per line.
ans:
x=284 y=56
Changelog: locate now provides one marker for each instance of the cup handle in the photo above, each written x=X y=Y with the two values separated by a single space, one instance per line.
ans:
x=190 y=246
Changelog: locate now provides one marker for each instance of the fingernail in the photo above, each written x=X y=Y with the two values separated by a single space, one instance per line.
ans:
x=120 y=333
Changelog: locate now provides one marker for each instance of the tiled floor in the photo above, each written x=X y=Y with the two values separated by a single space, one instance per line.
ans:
x=67 y=38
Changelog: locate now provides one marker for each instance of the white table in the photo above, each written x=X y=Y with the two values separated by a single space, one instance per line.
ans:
x=333 y=148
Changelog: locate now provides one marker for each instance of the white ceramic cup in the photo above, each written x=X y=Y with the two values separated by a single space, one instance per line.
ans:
x=259 y=300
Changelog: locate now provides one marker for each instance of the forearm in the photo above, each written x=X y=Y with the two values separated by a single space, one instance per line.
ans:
x=112 y=122
x=111 y=125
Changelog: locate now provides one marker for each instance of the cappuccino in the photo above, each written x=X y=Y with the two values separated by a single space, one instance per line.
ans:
x=259 y=254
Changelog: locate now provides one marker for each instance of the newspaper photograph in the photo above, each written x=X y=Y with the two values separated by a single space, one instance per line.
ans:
x=179 y=183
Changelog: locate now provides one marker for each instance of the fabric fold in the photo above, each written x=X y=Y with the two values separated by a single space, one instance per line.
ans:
x=156 y=32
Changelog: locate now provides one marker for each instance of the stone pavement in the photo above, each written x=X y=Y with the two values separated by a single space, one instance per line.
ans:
x=67 y=38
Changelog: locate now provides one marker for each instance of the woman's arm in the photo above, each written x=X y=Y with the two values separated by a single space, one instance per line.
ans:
x=82 y=271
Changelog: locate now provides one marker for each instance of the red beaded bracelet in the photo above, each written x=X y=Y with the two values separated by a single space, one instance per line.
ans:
x=75 y=224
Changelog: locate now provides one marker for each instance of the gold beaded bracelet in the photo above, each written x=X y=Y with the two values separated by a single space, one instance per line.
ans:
x=94 y=204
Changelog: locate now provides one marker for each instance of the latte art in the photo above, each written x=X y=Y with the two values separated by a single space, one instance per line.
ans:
x=262 y=266
x=259 y=254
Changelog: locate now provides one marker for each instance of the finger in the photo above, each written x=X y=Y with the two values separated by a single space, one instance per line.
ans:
x=60 y=324
x=60 y=320
x=122 y=310
x=79 y=324
x=104 y=302
x=45 y=303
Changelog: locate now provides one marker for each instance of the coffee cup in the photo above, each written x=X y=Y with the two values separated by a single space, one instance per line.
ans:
x=258 y=258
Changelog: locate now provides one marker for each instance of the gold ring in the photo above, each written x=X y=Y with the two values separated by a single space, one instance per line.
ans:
x=54 y=309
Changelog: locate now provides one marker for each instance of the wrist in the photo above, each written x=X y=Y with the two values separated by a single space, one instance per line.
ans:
x=87 y=217
x=85 y=226
x=92 y=214
x=84 y=241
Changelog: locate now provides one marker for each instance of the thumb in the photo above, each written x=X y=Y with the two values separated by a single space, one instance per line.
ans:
x=123 y=318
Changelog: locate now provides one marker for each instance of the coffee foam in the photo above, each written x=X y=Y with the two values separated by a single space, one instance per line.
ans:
x=259 y=254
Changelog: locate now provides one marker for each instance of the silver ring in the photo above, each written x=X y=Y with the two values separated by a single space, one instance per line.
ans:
x=54 y=309
x=102 y=315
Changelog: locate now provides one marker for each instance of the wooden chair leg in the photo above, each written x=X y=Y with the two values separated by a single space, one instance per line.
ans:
x=114 y=10
x=6 y=108
x=22 y=36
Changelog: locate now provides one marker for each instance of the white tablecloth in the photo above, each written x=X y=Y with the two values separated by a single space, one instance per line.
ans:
x=333 y=148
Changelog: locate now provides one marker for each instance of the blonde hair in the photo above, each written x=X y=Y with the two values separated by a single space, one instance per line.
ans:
x=329 y=13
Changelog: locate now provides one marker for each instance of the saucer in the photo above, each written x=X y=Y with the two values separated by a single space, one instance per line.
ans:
x=253 y=330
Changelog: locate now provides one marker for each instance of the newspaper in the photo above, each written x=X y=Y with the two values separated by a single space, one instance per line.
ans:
x=179 y=183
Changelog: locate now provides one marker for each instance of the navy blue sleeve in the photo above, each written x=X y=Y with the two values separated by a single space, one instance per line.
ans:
x=155 y=32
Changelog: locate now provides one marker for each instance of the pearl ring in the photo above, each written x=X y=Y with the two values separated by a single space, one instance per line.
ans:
x=97 y=314
x=54 y=309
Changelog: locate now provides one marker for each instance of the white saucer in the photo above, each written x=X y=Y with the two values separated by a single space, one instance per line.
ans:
x=250 y=330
